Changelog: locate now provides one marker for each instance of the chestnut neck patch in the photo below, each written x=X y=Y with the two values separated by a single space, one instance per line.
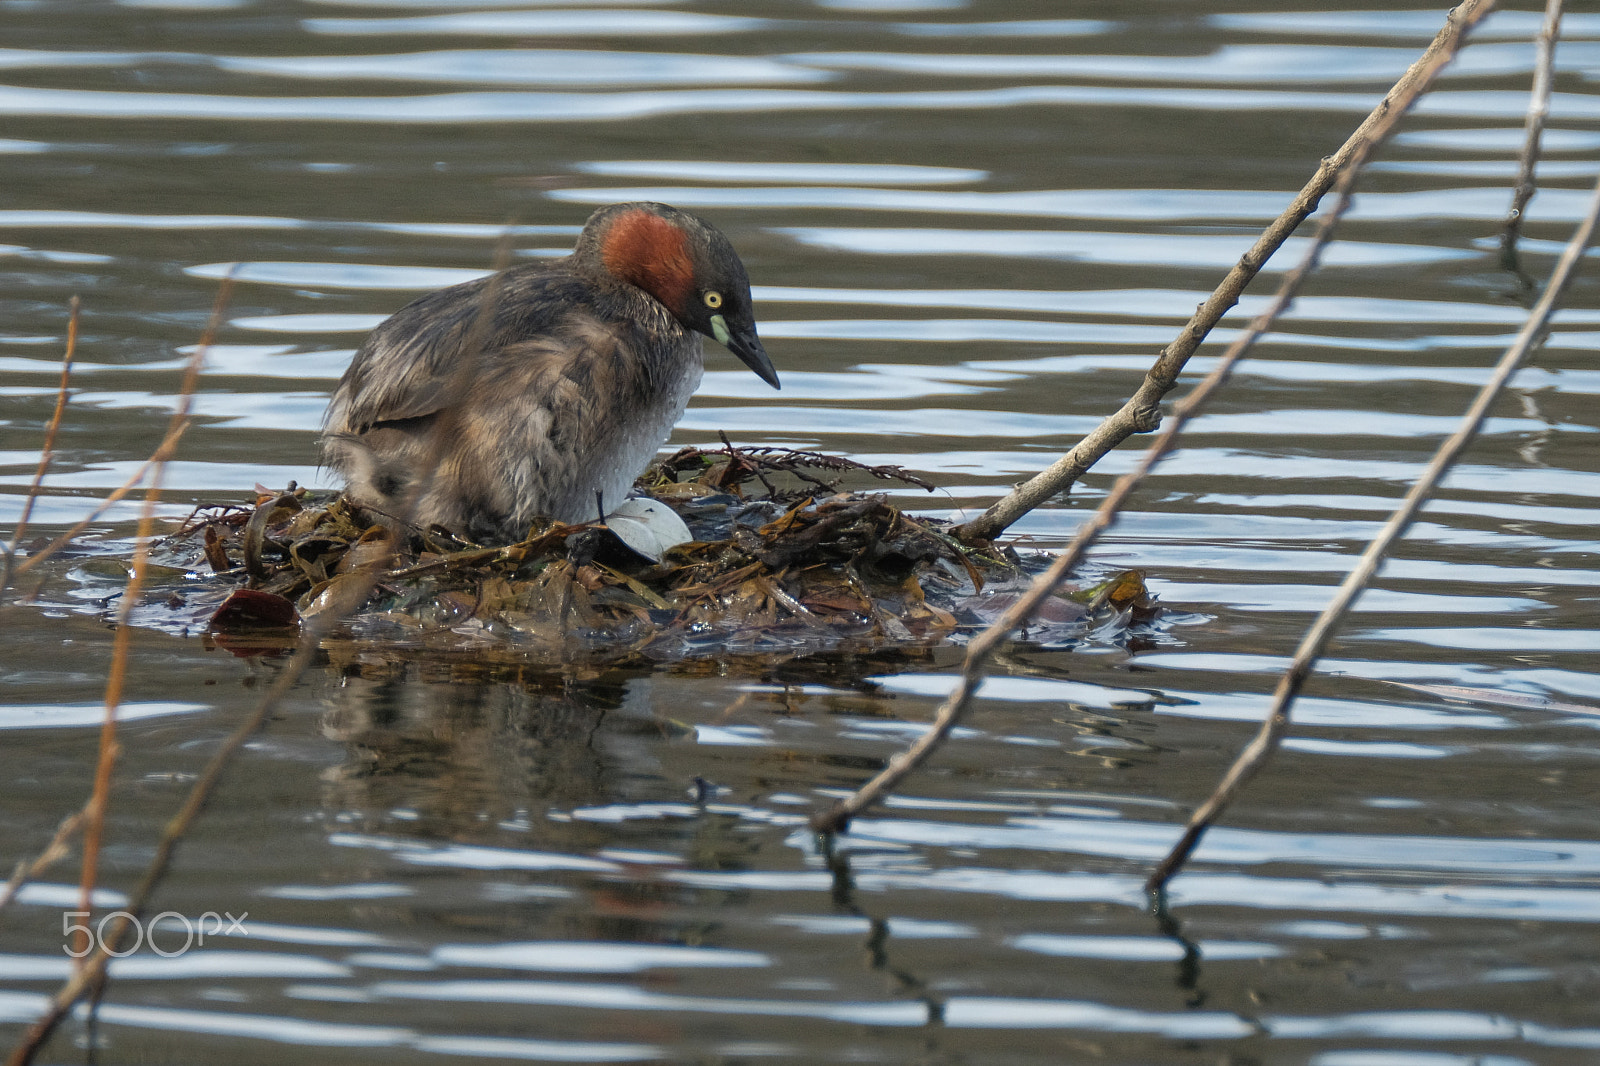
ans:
x=648 y=251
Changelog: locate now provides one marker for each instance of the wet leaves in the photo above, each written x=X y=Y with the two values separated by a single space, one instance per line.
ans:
x=798 y=569
x=254 y=609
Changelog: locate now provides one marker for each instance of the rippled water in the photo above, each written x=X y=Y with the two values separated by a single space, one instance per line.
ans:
x=970 y=224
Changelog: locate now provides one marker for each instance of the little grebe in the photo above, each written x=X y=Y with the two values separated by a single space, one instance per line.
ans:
x=572 y=381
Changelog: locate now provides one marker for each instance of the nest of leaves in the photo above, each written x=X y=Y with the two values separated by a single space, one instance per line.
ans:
x=779 y=568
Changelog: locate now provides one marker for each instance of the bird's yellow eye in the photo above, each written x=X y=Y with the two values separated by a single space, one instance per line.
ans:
x=713 y=300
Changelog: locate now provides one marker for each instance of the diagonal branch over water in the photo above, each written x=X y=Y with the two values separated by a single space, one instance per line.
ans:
x=176 y=427
x=1141 y=413
x=1371 y=133
x=95 y=812
x=1316 y=639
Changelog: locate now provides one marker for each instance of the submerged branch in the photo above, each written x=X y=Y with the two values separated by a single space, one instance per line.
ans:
x=1538 y=112
x=1316 y=639
x=1141 y=413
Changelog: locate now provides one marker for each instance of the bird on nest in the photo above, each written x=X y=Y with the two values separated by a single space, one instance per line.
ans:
x=544 y=390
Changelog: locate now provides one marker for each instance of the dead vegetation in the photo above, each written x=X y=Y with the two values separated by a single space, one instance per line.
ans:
x=793 y=564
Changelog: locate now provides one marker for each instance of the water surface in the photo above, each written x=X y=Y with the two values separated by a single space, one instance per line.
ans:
x=970 y=224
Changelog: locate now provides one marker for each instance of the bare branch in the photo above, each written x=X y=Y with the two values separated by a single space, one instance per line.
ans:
x=168 y=445
x=91 y=973
x=53 y=853
x=1538 y=111
x=1316 y=639
x=1142 y=411
x=983 y=646
x=985 y=643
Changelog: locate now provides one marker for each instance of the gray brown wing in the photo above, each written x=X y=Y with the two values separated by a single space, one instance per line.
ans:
x=407 y=366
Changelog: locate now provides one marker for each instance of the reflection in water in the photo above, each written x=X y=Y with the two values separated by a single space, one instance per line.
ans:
x=876 y=944
x=461 y=747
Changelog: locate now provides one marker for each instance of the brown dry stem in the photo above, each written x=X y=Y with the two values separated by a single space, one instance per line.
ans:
x=1141 y=413
x=89 y=978
x=47 y=449
x=90 y=975
x=983 y=646
x=27 y=869
x=164 y=450
x=1316 y=639
x=95 y=812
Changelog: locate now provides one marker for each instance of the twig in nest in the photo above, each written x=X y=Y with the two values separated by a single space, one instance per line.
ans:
x=791 y=459
x=215 y=513
x=736 y=459
x=797 y=462
x=761 y=460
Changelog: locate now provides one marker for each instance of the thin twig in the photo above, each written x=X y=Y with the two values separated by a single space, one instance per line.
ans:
x=48 y=448
x=95 y=812
x=983 y=646
x=1141 y=413
x=1538 y=111
x=1316 y=639
x=168 y=442
x=53 y=853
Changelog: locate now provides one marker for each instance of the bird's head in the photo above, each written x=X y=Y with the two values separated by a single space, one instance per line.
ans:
x=688 y=266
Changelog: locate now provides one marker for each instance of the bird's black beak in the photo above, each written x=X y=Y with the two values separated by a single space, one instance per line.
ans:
x=743 y=342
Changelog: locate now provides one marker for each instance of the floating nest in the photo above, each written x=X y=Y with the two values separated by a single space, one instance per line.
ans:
x=770 y=568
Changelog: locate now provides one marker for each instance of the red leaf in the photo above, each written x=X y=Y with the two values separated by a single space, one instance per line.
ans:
x=253 y=609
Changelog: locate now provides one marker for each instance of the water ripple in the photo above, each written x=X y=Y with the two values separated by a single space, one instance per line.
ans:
x=455 y=108
x=533 y=67
x=574 y=23
x=1230 y=65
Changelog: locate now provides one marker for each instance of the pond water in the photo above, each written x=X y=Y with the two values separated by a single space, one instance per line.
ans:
x=970 y=224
